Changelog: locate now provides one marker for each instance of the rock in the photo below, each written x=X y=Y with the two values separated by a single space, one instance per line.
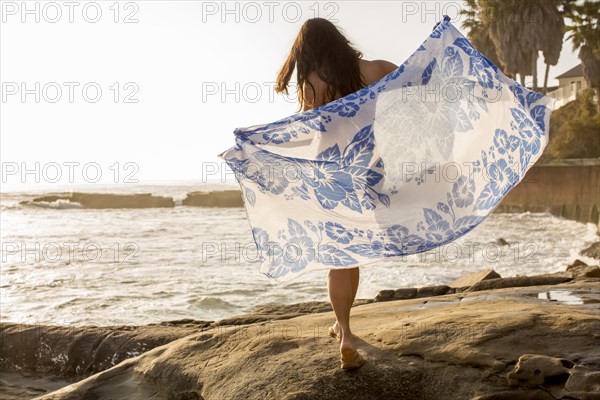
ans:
x=562 y=274
x=582 y=396
x=447 y=333
x=535 y=369
x=385 y=295
x=461 y=289
x=583 y=379
x=107 y=200
x=428 y=291
x=444 y=349
x=76 y=352
x=584 y=271
x=535 y=394
x=518 y=281
x=577 y=263
x=411 y=293
x=405 y=293
x=271 y=312
x=501 y=242
x=471 y=279
x=593 y=251
x=215 y=198
x=579 y=269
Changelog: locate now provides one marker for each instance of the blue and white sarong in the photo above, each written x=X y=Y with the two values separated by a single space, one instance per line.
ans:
x=402 y=166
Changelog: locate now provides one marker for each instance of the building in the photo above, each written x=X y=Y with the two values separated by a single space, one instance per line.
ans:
x=570 y=83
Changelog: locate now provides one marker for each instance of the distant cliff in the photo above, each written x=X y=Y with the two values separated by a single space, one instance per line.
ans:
x=218 y=198
x=103 y=200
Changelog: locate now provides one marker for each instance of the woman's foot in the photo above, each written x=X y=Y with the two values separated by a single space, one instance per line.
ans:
x=350 y=359
x=334 y=331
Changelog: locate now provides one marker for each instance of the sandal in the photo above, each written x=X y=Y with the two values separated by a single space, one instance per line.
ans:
x=356 y=362
x=333 y=333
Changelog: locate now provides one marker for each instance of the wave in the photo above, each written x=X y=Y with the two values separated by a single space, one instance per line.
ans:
x=60 y=204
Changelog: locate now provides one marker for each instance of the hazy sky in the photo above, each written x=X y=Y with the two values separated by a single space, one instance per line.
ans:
x=174 y=85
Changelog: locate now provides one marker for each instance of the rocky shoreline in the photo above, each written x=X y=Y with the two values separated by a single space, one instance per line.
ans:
x=480 y=337
x=214 y=198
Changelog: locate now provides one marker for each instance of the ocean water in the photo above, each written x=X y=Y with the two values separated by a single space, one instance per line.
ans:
x=63 y=264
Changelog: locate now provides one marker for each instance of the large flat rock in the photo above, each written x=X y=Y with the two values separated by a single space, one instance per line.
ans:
x=455 y=346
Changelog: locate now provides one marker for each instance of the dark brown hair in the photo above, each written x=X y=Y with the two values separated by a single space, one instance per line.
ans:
x=321 y=47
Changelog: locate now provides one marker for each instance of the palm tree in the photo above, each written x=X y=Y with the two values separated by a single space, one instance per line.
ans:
x=520 y=29
x=585 y=34
x=478 y=34
x=502 y=18
x=551 y=33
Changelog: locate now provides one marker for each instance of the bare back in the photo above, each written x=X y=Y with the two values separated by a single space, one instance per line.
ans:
x=370 y=71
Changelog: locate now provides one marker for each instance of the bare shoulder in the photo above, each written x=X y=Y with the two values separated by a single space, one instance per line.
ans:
x=373 y=70
x=385 y=66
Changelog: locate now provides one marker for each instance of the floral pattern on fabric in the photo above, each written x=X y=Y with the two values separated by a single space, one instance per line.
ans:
x=407 y=164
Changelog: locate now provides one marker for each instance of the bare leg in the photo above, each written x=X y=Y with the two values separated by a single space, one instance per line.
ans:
x=342 y=285
x=355 y=278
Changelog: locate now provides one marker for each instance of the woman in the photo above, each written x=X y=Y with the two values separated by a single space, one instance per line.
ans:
x=327 y=68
